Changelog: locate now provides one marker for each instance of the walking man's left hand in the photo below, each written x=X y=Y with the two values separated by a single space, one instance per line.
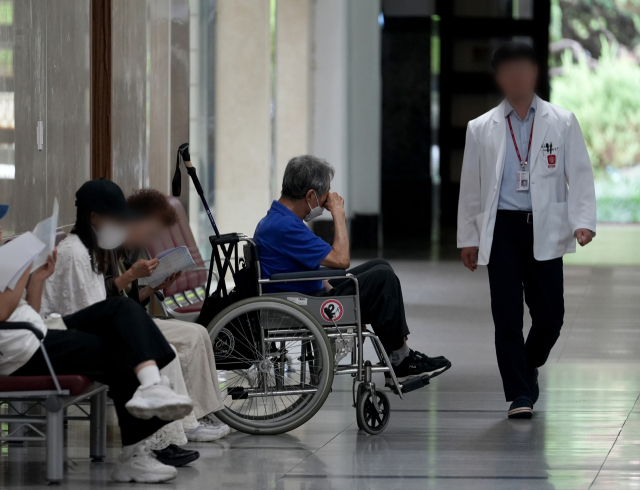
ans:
x=584 y=236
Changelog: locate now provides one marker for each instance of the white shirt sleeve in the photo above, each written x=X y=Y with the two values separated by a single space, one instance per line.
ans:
x=74 y=285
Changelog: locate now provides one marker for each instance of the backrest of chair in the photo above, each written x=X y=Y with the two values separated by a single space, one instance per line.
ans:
x=60 y=235
x=176 y=236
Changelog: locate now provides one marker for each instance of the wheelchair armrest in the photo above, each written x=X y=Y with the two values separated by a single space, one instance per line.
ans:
x=309 y=274
x=22 y=326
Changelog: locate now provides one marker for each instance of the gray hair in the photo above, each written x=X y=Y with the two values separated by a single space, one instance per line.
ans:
x=304 y=173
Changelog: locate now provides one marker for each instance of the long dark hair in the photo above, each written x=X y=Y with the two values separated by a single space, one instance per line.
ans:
x=84 y=230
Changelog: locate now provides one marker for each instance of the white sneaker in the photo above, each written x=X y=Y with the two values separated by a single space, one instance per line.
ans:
x=142 y=467
x=160 y=401
x=204 y=433
x=210 y=420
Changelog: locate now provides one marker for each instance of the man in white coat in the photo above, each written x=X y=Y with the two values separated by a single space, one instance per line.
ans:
x=526 y=196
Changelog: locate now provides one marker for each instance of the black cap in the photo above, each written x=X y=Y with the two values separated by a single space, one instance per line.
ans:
x=104 y=197
x=512 y=51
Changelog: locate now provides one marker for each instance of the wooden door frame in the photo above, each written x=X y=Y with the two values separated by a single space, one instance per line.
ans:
x=101 y=73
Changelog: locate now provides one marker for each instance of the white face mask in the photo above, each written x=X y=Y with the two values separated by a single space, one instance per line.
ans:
x=315 y=212
x=111 y=236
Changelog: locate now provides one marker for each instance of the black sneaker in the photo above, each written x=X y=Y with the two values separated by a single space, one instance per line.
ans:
x=419 y=355
x=434 y=365
x=535 y=387
x=174 y=455
x=428 y=367
x=521 y=408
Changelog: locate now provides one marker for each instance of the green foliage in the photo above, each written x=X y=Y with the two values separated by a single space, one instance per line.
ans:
x=606 y=102
x=586 y=20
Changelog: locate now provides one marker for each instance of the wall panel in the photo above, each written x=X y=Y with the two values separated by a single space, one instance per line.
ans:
x=243 y=133
x=292 y=96
x=48 y=82
x=68 y=128
x=129 y=94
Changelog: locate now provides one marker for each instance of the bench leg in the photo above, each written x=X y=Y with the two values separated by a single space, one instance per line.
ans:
x=16 y=429
x=55 y=446
x=98 y=427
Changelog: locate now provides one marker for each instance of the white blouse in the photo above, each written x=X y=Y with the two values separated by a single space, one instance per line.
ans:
x=74 y=285
x=18 y=346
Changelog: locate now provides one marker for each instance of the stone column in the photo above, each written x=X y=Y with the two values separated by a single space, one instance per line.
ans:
x=292 y=100
x=242 y=100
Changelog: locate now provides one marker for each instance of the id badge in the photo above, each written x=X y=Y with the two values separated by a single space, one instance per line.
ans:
x=523 y=180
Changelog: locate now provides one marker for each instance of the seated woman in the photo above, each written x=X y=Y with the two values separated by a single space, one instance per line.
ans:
x=286 y=244
x=113 y=342
x=190 y=339
x=97 y=234
x=78 y=282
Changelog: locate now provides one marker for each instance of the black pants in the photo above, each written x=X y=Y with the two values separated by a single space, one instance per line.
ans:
x=512 y=271
x=105 y=342
x=381 y=303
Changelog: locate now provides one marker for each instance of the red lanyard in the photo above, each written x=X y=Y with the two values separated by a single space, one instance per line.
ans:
x=523 y=163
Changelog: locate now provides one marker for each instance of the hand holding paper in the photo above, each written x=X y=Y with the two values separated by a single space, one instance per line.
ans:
x=16 y=256
x=171 y=262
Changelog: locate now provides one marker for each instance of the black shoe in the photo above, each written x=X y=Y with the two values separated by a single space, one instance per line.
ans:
x=535 y=387
x=419 y=355
x=428 y=367
x=176 y=456
x=521 y=408
x=434 y=365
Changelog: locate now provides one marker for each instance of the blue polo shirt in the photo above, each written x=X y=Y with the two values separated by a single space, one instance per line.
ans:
x=285 y=244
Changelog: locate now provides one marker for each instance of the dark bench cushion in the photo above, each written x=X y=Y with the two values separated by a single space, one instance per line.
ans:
x=75 y=383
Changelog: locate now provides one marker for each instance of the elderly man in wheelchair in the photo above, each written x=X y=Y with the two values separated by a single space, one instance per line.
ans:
x=282 y=334
x=285 y=245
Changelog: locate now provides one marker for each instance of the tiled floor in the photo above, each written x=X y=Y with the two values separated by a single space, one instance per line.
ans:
x=454 y=433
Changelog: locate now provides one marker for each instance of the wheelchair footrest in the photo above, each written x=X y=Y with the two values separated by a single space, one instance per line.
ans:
x=238 y=393
x=408 y=385
x=415 y=384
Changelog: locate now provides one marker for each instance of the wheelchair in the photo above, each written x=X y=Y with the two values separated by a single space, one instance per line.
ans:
x=277 y=353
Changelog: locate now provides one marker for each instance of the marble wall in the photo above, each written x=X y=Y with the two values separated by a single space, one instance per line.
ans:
x=242 y=101
x=159 y=86
x=129 y=94
x=292 y=84
x=44 y=76
x=329 y=118
x=150 y=115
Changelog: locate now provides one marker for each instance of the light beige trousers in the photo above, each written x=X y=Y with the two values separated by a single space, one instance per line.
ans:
x=195 y=353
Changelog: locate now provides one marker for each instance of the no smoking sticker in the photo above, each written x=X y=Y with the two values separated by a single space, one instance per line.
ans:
x=331 y=310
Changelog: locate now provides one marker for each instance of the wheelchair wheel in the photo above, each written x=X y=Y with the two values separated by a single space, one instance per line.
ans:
x=368 y=417
x=275 y=365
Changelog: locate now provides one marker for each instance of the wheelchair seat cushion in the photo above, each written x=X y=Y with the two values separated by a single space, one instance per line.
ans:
x=76 y=384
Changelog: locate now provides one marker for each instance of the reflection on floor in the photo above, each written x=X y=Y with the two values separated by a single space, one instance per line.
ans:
x=453 y=434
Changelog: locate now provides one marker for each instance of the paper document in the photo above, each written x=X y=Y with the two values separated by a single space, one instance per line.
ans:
x=45 y=231
x=16 y=256
x=171 y=261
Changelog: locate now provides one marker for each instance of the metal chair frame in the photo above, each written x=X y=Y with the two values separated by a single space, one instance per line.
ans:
x=56 y=402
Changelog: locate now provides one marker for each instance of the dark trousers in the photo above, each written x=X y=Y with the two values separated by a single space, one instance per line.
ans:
x=513 y=271
x=105 y=342
x=381 y=303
